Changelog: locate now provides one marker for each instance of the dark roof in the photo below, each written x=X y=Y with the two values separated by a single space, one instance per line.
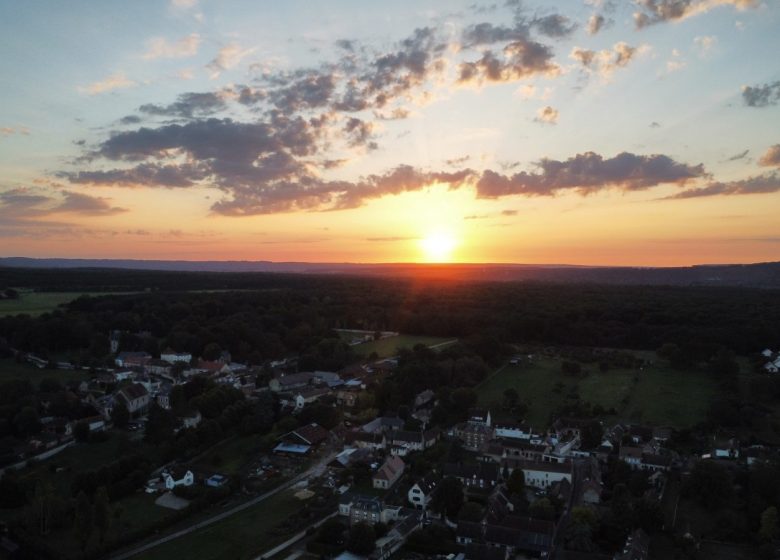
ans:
x=428 y=483
x=359 y=435
x=476 y=551
x=483 y=471
x=469 y=530
x=543 y=466
x=404 y=436
x=133 y=391
x=312 y=434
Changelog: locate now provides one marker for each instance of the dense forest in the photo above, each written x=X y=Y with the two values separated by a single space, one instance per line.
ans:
x=266 y=316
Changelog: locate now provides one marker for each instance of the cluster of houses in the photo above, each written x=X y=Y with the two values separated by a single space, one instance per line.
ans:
x=772 y=358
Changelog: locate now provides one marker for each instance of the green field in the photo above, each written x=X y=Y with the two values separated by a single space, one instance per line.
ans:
x=10 y=369
x=656 y=395
x=36 y=303
x=243 y=535
x=390 y=346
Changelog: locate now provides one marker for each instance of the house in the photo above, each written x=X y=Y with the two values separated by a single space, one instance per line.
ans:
x=481 y=475
x=540 y=475
x=158 y=367
x=522 y=449
x=367 y=509
x=726 y=448
x=383 y=424
x=473 y=435
x=308 y=396
x=365 y=440
x=291 y=382
x=424 y=398
x=178 y=476
x=130 y=359
x=479 y=416
x=421 y=492
x=136 y=398
x=631 y=455
x=771 y=367
x=513 y=430
x=637 y=547
x=346 y=398
x=311 y=434
x=512 y=535
x=216 y=481
x=404 y=442
x=390 y=471
x=172 y=357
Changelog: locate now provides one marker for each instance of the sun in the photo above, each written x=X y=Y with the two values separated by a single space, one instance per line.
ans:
x=438 y=247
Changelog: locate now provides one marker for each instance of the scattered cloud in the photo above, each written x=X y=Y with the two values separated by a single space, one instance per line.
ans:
x=596 y=23
x=519 y=59
x=605 y=62
x=555 y=26
x=588 y=173
x=112 y=82
x=188 y=105
x=771 y=157
x=547 y=115
x=655 y=124
x=704 y=44
x=159 y=47
x=78 y=203
x=675 y=63
x=759 y=184
x=12 y=130
x=761 y=95
x=739 y=156
x=228 y=57
x=651 y=12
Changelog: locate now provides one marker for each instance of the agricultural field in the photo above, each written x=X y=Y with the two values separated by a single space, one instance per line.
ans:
x=240 y=536
x=390 y=346
x=37 y=303
x=656 y=394
x=11 y=369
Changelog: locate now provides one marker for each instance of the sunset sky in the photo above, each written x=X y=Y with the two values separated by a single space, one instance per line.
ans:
x=592 y=132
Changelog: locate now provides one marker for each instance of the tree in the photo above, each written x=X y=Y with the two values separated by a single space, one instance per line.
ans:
x=580 y=530
x=724 y=363
x=120 y=415
x=591 y=435
x=471 y=511
x=511 y=397
x=516 y=482
x=542 y=509
x=361 y=539
x=27 y=422
x=769 y=524
x=102 y=513
x=710 y=484
x=83 y=520
x=81 y=431
x=159 y=427
x=448 y=499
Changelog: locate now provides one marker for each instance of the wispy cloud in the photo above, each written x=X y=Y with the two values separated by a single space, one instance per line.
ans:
x=160 y=47
x=228 y=57
x=111 y=83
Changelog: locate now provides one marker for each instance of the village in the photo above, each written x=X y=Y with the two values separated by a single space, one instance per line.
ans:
x=486 y=487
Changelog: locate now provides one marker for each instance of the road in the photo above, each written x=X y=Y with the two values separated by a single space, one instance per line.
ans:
x=314 y=470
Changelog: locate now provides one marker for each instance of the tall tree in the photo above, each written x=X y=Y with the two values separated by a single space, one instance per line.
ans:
x=83 y=520
x=361 y=539
x=448 y=498
x=120 y=415
x=769 y=524
x=102 y=513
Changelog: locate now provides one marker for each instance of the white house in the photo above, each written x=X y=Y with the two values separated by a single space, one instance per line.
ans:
x=513 y=430
x=172 y=357
x=767 y=353
x=178 y=477
x=308 y=396
x=540 y=475
x=771 y=367
x=421 y=492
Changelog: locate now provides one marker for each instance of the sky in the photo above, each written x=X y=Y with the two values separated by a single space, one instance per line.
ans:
x=592 y=132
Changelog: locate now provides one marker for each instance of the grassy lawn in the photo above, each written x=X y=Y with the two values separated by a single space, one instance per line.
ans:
x=655 y=395
x=390 y=346
x=231 y=456
x=36 y=303
x=10 y=369
x=243 y=535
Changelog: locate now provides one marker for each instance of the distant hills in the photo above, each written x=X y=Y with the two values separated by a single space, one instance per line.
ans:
x=759 y=275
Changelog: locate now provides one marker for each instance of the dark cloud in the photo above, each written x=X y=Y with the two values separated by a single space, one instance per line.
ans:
x=521 y=59
x=359 y=133
x=187 y=106
x=590 y=172
x=655 y=124
x=509 y=212
x=79 y=203
x=659 y=11
x=739 y=156
x=482 y=34
x=771 y=157
x=761 y=95
x=306 y=90
x=555 y=26
x=457 y=161
x=130 y=119
x=760 y=184
x=145 y=174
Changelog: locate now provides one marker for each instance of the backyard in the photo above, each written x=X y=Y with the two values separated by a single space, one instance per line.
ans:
x=386 y=347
